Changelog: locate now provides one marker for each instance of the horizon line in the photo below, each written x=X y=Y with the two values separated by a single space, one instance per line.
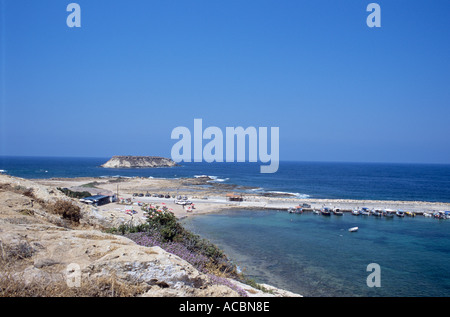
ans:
x=281 y=161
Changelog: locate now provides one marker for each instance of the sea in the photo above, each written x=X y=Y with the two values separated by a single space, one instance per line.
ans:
x=309 y=254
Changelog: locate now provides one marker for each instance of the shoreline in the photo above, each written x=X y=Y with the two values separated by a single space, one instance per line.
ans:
x=47 y=243
x=206 y=200
x=208 y=196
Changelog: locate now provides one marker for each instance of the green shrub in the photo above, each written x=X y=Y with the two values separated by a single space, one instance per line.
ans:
x=166 y=223
x=164 y=228
x=74 y=194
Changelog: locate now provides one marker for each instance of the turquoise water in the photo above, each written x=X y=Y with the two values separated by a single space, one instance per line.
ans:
x=310 y=254
x=314 y=255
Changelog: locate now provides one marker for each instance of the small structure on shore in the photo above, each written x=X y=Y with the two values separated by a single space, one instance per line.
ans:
x=234 y=197
x=98 y=200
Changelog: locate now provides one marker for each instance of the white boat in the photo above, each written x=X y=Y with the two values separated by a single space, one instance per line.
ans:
x=354 y=229
x=337 y=212
x=428 y=215
x=442 y=215
x=400 y=213
x=355 y=212
x=376 y=213
x=364 y=211
x=2 y=171
x=388 y=213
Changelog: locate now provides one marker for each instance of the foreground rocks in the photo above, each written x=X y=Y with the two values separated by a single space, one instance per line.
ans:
x=40 y=248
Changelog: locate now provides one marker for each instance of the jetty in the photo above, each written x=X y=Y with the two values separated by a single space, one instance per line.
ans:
x=210 y=197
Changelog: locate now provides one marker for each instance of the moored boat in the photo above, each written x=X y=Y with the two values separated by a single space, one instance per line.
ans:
x=364 y=211
x=355 y=212
x=400 y=213
x=389 y=213
x=326 y=211
x=442 y=215
x=295 y=210
x=298 y=210
x=376 y=213
x=337 y=212
x=354 y=229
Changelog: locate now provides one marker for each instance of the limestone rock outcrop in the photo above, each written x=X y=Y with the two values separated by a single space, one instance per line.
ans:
x=138 y=162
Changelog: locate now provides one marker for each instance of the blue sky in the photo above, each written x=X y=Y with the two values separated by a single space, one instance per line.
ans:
x=337 y=89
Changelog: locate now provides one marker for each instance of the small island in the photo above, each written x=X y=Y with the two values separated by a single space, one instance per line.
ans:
x=118 y=161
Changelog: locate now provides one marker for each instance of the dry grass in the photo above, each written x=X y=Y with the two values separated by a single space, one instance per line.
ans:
x=14 y=284
x=19 y=277
x=14 y=259
x=66 y=209
x=100 y=287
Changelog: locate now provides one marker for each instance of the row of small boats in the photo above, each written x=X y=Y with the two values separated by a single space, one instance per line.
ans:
x=389 y=213
x=438 y=214
x=380 y=213
x=328 y=211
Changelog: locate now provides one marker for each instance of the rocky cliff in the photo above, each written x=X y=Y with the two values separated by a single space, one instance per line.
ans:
x=40 y=254
x=138 y=162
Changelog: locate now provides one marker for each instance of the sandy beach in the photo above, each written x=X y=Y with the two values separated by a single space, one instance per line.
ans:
x=207 y=197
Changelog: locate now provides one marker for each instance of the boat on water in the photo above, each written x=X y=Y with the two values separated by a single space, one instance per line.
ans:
x=410 y=214
x=389 y=213
x=295 y=210
x=364 y=211
x=355 y=212
x=354 y=229
x=442 y=215
x=326 y=211
x=400 y=213
x=376 y=213
x=437 y=215
x=337 y=212
x=2 y=171
x=428 y=215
